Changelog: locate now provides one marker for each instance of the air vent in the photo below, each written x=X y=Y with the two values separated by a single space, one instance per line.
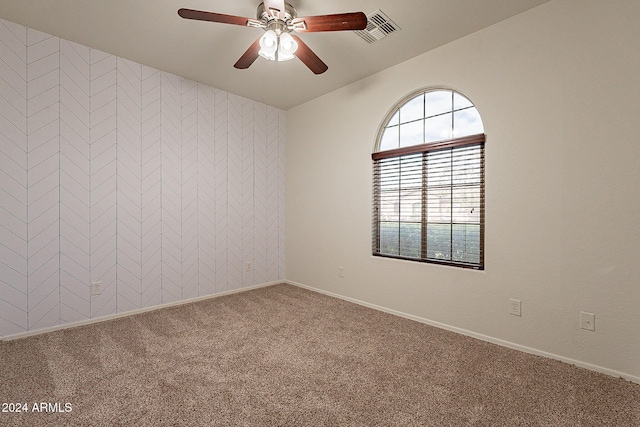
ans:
x=379 y=26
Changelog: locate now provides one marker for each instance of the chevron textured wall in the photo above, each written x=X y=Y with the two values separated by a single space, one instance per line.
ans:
x=158 y=187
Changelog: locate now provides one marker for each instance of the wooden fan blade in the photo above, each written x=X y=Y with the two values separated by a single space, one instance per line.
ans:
x=249 y=56
x=308 y=57
x=275 y=5
x=200 y=15
x=337 y=22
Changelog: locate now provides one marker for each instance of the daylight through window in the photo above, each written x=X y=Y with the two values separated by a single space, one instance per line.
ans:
x=428 y=181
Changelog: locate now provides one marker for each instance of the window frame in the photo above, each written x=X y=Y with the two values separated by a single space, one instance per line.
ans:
x=424 y=148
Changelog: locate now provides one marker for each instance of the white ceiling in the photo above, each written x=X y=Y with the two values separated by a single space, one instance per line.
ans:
x=150 y=32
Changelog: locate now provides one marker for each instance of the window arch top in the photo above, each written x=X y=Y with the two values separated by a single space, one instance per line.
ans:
x=428 y=116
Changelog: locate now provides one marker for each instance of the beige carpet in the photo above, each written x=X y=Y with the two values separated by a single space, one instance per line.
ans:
x=285 y=356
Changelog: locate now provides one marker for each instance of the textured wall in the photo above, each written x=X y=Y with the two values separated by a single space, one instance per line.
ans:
x=111 y=171
x=558 y=89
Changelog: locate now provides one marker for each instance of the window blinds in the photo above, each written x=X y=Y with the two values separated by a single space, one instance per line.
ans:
x=428 y=202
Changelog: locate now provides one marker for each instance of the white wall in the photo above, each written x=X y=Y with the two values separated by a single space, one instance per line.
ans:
x=558 y=88
x=159 y=187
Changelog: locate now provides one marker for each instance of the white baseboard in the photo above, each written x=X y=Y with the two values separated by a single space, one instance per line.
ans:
x=487 y=338
x=596 y=368
x=134 y=312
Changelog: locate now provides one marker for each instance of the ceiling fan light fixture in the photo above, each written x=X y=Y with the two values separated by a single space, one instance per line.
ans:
x=287 y=47
x=269 y=45
x=279 y=19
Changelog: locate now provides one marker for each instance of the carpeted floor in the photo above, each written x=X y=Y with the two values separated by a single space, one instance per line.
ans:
x=285 y=356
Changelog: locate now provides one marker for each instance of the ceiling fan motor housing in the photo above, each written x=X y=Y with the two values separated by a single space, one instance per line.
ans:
x=275 y=20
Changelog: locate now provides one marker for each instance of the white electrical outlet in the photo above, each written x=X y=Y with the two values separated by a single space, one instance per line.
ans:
x=587 y=321
x=248 y=267
x=340 y=271
x=96 y=288
x=515 y=306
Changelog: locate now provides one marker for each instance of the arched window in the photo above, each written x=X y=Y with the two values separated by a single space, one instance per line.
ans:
x=428 y=181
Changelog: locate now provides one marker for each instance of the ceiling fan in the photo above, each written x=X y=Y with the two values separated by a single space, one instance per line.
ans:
x=279 y=20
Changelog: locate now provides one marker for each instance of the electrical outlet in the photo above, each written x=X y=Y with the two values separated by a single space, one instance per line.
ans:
x=340 y=271
x=248 y=267
x=96 y=288
x=515 y=306
x=587 y=321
